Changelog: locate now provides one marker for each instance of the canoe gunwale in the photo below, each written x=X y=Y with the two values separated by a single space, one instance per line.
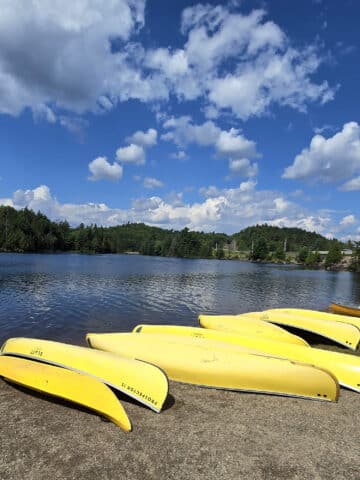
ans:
x=346 y=345
x=276 y=394
x=339 y=309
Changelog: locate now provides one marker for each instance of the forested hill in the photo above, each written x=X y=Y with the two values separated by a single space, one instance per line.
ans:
x=27 y=231
x=294 y=238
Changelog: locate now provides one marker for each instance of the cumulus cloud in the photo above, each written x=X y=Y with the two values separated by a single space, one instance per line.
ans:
x=74 y=66
x=183 y=131
x=351 y=185
x=226 y=143
x=348 y=220
x=262 y=67
x=243 y=167
x=101 y=169
x=133 y=154
x=228 y=210
x=87 y=59
x=144 y=139
x=330 y=159
x=150 y=182
x=247 y=186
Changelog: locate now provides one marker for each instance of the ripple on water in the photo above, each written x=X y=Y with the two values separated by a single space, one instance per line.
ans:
x=64 y=296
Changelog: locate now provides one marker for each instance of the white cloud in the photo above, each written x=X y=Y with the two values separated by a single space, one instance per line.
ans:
x=42 y=111
x=73 y=66
x=225 y=210
x=351 y=185
x=231 y=61
x=226 y=143
x=247 y=186
x=180 y=155
x=131 y=154
x=101 y=169
x=183 y=132
x=348 y=220
x=324 y=128
x=243 y=167
x=210 y=191
x=265 y=70
x=150 y=183
x=233 y=144
x=144 y=139
x=332 y=159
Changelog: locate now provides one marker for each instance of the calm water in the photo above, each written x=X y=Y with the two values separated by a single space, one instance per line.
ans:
x=62 y=297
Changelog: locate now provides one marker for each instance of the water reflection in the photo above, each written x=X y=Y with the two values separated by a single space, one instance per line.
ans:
x=64 y=296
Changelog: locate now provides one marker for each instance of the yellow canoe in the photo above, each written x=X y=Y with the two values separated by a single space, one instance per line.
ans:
x=196 y=332
x=344 y=310
x=144 y=382
x=345 y=367
x=210 y=363
x=316 y=314
x=66 y=384
x=342 y=333
x=249 y=326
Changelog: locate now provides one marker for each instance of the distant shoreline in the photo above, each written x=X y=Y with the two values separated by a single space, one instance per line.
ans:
x=336 y=268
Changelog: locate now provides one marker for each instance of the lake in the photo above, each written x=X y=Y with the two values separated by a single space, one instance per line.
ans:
x=64 y=296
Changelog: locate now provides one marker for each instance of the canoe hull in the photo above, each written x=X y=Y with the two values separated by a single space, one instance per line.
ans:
x=316 y=314
x=342 y=333
x=344 y=310
x=219 y=365
x=65 y=384
x=249 y=326
x=143 y=382
x=345 y=367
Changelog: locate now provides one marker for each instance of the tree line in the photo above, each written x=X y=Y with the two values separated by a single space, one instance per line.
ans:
x=28 y=231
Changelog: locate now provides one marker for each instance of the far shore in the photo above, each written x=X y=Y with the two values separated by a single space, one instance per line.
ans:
x=340 y=267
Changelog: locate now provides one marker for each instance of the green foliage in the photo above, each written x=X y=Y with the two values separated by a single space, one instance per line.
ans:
x=355 y=259
x=295 y=238
x=279 y=254
x=220 y=254
x=27 y=231
x=260 y=250
x=313 y=259
x=302 y=255
x=334 y=256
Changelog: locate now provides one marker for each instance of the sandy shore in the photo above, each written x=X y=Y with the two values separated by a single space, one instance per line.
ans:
x=203 y=434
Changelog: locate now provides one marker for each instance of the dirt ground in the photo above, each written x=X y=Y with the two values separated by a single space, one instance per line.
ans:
x=202 y=434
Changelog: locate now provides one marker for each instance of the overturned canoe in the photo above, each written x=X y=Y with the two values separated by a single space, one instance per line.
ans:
x=66 y=384
x=345 y=367
x=342 y=333
x=344 y=310
x=196 y=332
x=210 y=363
x=333 y=317
x=144 y=382
x=249 y=326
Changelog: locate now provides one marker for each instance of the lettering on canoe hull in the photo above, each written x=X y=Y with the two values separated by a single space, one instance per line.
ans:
x=140 y=394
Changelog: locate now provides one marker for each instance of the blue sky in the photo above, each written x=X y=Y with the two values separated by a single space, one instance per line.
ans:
x=213 y=116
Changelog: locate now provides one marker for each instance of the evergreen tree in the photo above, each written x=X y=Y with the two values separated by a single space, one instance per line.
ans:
x=334 y=256
x=302 y=254
x=260 y=251
x=355 y=259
